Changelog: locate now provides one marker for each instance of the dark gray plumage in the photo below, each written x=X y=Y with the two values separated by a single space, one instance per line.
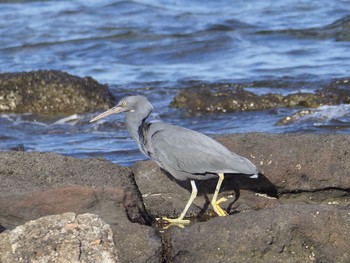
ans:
x=184 y=153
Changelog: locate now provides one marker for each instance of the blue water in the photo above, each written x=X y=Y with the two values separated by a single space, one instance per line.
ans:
x=158 y=47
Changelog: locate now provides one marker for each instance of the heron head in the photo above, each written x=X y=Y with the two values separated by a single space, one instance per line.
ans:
x=127 y=104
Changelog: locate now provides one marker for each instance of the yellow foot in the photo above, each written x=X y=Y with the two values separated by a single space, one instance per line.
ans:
x=175 y=222
x=218 y=210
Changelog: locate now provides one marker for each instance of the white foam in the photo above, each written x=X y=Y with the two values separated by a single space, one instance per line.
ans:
x=327 y=113
x=72 y=119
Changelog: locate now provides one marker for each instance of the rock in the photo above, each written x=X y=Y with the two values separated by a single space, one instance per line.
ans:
x=233 y=97
x=138 y=243
x=294 y=117
x=51 y=92
x=39 y=184
x=338 y=88
x=309 y=173
x=222 y=98
x=112 y=204
x=288 y=233
x=79 y=238
x=25 y=175
x=60 y=238
x=313 y=168
x=297 y=162
x=30 y=171
x=164 y=196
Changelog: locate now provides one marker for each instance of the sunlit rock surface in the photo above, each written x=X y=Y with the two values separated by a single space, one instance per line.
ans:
x=51 y=92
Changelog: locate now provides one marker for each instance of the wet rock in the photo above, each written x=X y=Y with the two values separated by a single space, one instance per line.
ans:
x=294 y=117
x=60 y=238
x=51 y=92
x=288 y=233
x=290 y=164
x=233 y=97
x=222 y=98
x=339 y=88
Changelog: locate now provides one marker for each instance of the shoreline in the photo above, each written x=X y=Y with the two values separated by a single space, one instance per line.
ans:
x=307 y=173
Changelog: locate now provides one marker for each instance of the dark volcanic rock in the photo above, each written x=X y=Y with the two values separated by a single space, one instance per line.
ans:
x=39 y=184
x=51 y=92
x=30 y=171
x=297 y=162
x=164 y=196
x=308 y=223
x=291 y=164
x=110 y=203
x=288 y=233
x=233 y=97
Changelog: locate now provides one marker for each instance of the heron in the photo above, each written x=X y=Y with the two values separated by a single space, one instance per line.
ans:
x=183 y=153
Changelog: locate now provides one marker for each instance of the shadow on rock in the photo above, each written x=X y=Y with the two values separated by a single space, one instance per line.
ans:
x=165 y=196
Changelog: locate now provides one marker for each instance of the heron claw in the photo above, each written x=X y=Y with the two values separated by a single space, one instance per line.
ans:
x=218 y=210
x=175 y=222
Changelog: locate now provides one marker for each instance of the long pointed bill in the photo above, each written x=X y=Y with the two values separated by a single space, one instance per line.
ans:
x=114 y=110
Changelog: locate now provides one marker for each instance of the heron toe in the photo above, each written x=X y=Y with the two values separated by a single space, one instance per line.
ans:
x=177 y=221
x=218 y=210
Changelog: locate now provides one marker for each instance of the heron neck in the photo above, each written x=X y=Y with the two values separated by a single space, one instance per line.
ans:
x=133 y=123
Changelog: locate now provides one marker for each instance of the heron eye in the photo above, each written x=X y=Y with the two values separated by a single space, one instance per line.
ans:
x=124 y=104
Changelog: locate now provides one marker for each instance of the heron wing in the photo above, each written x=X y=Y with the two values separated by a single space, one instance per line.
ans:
x=192 y=152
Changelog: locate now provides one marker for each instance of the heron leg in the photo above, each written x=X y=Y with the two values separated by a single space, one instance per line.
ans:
x=215 y=203
x=180 y=219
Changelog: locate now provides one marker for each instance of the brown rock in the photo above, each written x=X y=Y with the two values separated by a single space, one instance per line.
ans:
x=110 y=203
x=38 y=184
x=22 y=172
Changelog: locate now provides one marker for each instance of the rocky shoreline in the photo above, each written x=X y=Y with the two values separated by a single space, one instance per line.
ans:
x=90 y=210
x=64 y=209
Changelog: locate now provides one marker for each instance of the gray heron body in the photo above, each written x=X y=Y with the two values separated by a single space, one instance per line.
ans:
x=184 y=153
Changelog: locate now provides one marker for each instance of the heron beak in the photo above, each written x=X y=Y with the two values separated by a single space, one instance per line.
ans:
x=114 y=110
